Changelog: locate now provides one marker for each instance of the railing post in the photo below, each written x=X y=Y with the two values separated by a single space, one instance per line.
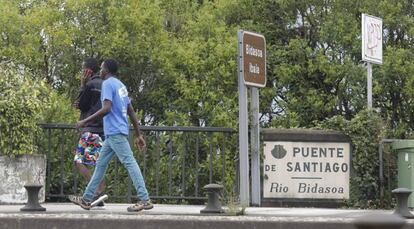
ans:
x=401 y=209
x=213 y=203
x=33 y=198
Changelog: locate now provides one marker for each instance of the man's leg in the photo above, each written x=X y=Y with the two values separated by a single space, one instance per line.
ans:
x=101 y=187
x=105 y=157
x=84 y=171
x=123 y=151
x=86 y=174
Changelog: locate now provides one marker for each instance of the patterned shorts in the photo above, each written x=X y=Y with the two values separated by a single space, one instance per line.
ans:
x=88 y=149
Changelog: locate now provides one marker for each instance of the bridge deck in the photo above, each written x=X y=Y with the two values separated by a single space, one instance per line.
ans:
x=66 y=215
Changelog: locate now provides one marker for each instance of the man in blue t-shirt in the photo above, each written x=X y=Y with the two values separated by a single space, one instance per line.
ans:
x=116 y=107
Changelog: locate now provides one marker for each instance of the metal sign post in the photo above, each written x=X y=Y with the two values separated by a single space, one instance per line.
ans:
x=369 y=85
x=243 y=134
x=255 y=146
x=252 y=72
x=371 y=48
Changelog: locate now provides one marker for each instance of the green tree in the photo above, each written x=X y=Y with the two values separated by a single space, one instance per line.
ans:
x=22 y=100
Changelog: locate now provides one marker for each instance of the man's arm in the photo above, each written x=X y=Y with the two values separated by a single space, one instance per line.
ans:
x=134 y=119
x=106 y=108
x=84 y=101
x=139 y=139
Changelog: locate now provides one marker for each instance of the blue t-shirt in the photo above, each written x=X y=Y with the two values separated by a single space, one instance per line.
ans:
x=116 y=121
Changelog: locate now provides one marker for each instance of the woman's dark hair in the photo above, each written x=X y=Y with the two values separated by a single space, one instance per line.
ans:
x=111 y=65
x=92 y=64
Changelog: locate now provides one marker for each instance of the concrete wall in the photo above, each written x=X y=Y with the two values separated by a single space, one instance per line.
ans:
x=17 y=172
x=134 y=221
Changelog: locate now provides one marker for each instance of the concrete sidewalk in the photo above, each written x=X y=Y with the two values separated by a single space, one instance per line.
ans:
x=163 y=209
x=66 y=215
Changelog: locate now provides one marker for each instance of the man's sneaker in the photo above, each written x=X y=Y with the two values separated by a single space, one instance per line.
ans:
x=78 y=200
x=99 y=200
x=100 y=204
x=141 y=205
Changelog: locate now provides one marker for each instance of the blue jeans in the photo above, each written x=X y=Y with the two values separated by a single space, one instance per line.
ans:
x=116 y=145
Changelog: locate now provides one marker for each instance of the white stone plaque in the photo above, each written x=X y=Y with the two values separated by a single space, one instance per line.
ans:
x=317 y=170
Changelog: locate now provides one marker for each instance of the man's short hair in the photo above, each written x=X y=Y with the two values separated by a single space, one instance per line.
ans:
x=92 y=64
x=111 y=66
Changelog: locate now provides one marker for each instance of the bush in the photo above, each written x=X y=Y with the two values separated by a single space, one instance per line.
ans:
x=366 y=130
x=22 y=101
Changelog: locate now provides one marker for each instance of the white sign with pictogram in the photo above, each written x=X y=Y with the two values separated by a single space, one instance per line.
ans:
x=316 y=170
x=371 y=39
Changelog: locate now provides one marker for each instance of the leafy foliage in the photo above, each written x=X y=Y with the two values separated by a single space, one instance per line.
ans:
x=22 y=100
x=179 y=58
x=366 y=130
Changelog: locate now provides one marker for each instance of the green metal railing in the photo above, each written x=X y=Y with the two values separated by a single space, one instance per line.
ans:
x=176 y=164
